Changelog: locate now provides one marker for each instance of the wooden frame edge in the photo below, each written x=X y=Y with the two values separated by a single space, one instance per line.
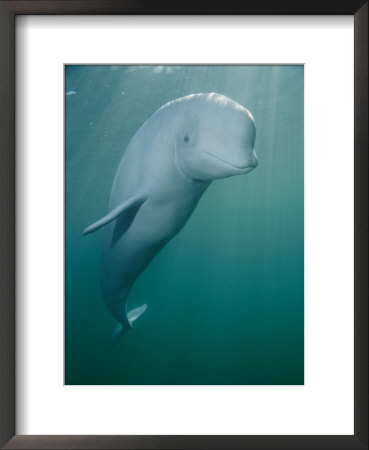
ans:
x=8 y=11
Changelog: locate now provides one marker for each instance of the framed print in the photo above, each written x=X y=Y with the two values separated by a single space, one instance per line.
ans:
x=184 y=225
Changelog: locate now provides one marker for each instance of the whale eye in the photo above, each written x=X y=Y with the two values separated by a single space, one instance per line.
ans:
x=186 y=139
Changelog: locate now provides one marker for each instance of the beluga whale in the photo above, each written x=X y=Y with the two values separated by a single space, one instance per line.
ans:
x=164 y=171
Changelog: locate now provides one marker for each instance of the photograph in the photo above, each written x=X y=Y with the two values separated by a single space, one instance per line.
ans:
x=184 y=224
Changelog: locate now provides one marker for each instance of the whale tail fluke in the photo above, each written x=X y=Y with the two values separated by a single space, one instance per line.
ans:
x=120 y=330
x=136 y=313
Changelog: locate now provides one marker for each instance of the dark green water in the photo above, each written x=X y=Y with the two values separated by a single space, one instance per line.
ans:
x=226 y=296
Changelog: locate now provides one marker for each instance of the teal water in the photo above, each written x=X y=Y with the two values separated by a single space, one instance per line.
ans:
x=226 y=296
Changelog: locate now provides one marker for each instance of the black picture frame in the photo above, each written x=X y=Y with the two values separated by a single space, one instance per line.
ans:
x=8 y=11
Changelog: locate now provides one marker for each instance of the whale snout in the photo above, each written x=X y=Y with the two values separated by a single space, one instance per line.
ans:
x=249 y=163
x=244 y=160
x=251 y=166
x=238 y=161
x=250 y=158
x=254 y=159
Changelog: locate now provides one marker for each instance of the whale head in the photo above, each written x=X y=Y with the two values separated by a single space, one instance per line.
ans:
x=213 y=137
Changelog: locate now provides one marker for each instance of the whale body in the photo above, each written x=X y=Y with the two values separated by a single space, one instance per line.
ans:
x=164 y=171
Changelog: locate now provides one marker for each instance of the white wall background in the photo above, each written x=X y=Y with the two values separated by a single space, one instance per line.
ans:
x=325 y=404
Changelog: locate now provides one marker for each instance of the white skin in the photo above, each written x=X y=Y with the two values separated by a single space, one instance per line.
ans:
x=169 y=163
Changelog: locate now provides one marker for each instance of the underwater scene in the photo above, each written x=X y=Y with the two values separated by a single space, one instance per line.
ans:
x=184 y=225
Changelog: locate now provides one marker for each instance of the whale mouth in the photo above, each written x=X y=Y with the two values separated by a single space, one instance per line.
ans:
x=241 y=168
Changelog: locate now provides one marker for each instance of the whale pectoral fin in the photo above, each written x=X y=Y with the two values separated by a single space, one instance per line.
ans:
x=136 y=201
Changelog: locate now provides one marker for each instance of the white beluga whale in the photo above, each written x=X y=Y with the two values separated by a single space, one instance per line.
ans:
x=165 y=169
